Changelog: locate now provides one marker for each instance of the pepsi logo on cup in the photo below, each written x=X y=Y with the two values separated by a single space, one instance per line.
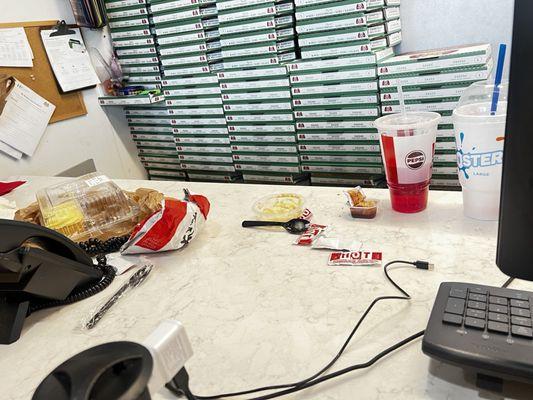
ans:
x=415 y=159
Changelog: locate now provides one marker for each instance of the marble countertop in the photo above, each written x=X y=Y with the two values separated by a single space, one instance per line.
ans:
x=261 y=311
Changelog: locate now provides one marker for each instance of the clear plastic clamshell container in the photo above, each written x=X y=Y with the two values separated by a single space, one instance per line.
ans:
x=85 y=207
x=280 y=207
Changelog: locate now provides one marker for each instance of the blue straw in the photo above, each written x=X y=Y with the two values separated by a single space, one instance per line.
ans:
x=498 y=79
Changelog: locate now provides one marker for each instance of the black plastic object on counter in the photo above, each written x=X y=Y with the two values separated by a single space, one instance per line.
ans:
x=118 y=371
x=40 y=268
x=297 y=225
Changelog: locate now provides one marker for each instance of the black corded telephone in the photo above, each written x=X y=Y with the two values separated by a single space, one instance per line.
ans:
x=40 y=268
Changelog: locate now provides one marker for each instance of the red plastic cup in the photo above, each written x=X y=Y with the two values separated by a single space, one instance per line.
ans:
x=408 y=145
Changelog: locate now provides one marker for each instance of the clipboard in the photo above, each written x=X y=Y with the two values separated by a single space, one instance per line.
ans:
x=83 y=61
x=40 y=77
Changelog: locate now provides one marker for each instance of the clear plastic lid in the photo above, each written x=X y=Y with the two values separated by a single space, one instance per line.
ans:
x=85 y=207
x=280 y=207
x=476 y=100
x=416 y=123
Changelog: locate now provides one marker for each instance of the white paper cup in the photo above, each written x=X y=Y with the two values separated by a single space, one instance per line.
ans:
x=480 y=138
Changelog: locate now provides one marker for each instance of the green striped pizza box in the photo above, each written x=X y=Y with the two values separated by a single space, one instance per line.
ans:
x=288 y=57
x=285 y=46
x=210 y=23
x=187 y=91
x=249 y=12
x=195 y=111
x=188 y=14
x=152 y=137
x=137 y=78
x=185 y=71
x=265 y=167
x=445 y=156
x=134 y=120
x=445 y=169
x=182 y=38
x=264 y=95
x=326 y=101
x=268 y=35
x=187 y=148
x=250 y=62
x=162 y=175
x=115 y=4
x=206 y=158
x=350 y=180
x=266 y=158
x=390 y=13
x=337 y=113
x=183 y=49
x=196 y=101
x=326 y=136
x=393 y=26
x=435 y=94
x=342 y=158
x=376 y=31
x=136 y=51
x=137 y=60
x=189 y=60
x=160 y=159
x=345 y=126
x=392 y=2
x=445 y=145
x=140 y=69
x=263 y=148
x=335 y=147
x=194 y=139
x=168 y=146
x=131 y=33
x=354 y=168
x=156 y=151
x=136 y=128
x=324 y=10
x=446 y=183
x=271 y=72
x=199 y=176
x=336 y=50
x=248 y=50
x=191 y=81
x=285 y=33
x=137 y=23
x=334 y=76
x=254 y=85
x=178 y=28
x=378 y=44
x=273 y=177
x=129 y=100
x=284 y=8
x=226 y=5
x=247 y=27
x=375 y=17
x=146 y=111
x=421 y=81
x=180 y=121
x=357 y=34
x=331 y=23
x=126 y=43
x=283 y=105
x=196 y=166
x=128 y=12
x=355 y=62
x=441 y=60
x=306 y=3
x=262 y=138
x=162 y=166
x=374 y=4
x=441 y=106
x=204 y=131
x=208 y=13
x=447 y=133
x=261 y=128
x=214 y=45
x=212 y=34
x=259 y=117
x=284 y=21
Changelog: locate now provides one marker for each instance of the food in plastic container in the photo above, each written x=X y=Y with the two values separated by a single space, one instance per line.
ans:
x=85 y=207
x=279 y=207
x=360 y=206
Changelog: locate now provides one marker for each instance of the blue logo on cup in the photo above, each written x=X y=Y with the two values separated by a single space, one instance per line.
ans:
x=471 y=159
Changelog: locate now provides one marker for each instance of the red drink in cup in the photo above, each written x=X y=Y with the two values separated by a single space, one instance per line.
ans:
x=408 y=145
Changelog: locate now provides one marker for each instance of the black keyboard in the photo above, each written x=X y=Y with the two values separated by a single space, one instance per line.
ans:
x=484 y=328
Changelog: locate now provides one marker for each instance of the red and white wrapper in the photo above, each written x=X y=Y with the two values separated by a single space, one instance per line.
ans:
x=174 y=226
x=408 y=159
x=307 y=215
x=310 y=235
x=355 y=258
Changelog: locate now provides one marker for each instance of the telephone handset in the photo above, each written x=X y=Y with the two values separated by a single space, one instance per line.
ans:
x=40 y=268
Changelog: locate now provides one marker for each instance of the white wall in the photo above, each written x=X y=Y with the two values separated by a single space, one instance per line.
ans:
x=430 y=24
x=101 y=135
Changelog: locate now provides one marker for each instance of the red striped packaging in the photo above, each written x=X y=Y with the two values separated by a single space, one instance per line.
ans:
x=355 y=258
x=173 y=227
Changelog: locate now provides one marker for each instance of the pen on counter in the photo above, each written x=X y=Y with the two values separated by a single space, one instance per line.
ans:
x=135 y=280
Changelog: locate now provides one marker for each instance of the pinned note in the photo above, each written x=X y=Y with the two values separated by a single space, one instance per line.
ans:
x=15 y=50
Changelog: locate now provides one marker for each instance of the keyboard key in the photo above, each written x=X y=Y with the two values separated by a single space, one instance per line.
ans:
x=453 y=319
x=478 y=305
x=520 y=312
x=478 y=290
x=474 y=323
x=478 y=297
x=499 y=317
x=498 y=300
x=458 y=293
x=498 y=327
x=521 y=321
x=519 y=303
x=498 y=309
x=522 y=331
x=455 y=306
x=475 y=313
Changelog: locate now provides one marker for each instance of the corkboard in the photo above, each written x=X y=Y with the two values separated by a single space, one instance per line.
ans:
x=40 y=78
